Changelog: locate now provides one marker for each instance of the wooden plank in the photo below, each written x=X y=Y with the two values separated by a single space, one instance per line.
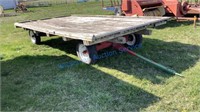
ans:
x=92 y=29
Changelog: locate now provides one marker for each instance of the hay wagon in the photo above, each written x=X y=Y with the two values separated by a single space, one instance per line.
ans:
x=94 y=32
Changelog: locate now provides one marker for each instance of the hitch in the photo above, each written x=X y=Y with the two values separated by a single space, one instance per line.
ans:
x=119 y=47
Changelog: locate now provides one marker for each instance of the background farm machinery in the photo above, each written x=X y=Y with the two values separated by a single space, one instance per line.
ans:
x=21 y=7
x=176 y=8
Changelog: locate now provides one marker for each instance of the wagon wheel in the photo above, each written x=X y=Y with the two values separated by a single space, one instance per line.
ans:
x=86 y=53
x=134 y=40
x=35 y=38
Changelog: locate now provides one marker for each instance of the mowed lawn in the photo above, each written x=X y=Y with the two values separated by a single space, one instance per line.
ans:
x=31 y=79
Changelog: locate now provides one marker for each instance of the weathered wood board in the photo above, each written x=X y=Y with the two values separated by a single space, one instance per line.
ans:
x=93 y=29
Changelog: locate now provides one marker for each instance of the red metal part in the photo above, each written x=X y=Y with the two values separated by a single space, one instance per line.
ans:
x=173 y=7
x=135 y=7
x=131 y=7
x=103 y=45
x=194 y=9
x=178 y=8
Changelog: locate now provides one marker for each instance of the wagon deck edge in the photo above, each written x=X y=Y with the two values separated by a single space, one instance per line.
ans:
x=95 y=38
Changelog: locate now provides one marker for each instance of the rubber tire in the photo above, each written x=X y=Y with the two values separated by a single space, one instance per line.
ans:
x=138 y=42
x=92 y=53
x=35 y=38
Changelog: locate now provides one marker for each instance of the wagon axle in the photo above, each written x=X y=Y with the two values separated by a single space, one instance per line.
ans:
x=87 y=53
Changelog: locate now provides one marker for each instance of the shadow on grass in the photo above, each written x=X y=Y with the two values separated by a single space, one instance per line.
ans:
x=177 y=56
x=58 y=43
x=35 y=83
x=174 y=55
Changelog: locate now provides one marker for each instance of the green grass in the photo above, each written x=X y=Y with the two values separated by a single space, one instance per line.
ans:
x=32 y=81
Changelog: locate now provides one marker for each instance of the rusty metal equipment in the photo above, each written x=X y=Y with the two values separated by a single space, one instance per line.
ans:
x=180 y=8
x=21 y=7
x=142 y=7
x=136 y=7
x=176 y=8
x=194 y=7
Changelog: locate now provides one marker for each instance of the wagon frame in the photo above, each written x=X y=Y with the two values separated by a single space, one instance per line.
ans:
x=95 y=32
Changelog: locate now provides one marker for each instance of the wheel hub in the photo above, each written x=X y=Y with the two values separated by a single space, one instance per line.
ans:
x=83 y=53
x=131 y=40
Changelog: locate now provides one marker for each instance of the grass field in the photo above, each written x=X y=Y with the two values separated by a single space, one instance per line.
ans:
x=32 y=81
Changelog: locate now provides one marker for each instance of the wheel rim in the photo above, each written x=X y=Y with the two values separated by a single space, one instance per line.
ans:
x=32 y=35
x=131 y=40
x=84 y=54
x=118 y=11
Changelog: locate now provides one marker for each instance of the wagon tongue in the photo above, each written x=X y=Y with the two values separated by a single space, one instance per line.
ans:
x=121 y=47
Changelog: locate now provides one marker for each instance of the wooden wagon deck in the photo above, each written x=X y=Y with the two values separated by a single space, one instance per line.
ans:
x=92 y=29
